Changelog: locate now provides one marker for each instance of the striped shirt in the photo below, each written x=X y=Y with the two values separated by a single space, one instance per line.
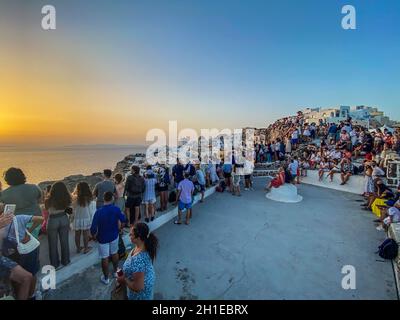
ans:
x=150 y=189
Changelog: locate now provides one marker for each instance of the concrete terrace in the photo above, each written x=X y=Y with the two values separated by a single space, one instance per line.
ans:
x=252 y=248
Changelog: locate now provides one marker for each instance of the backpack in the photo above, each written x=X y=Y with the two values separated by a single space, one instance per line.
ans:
x=137 y=185
x=172 y=197
x=388 y=249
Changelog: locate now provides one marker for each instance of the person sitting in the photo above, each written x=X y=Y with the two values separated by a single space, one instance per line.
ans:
x=323 y=167
x=389 y=216
x=278 y=181
x=381 y=194
x=346 y=170
x=335 y=168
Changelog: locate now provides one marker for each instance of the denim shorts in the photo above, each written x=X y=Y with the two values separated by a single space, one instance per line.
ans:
x=182 y=205
x=6 y=265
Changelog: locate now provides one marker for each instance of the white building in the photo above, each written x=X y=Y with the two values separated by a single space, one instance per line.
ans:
x=361 y=115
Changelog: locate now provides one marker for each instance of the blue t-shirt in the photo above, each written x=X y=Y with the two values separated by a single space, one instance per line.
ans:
x=332 y=129
x=227 y=168
x=140 y=263
x=105 y=223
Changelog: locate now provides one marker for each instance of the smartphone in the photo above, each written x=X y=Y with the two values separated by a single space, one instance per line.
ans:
x=9 y=209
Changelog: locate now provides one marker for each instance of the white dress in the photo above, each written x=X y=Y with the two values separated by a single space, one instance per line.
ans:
x=83 y=216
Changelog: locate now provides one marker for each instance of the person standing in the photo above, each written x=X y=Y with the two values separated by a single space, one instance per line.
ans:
x=236 y=181
x=26 y=197
x=184 y=199
x=294 y=169
x=134 y=188
x=227 y=170
x=177 y=172
x=83 y=208
x=105 y=229
x=138 y=272
x=107 y=185
x=201 y=180
x=119 y=190
x=149 y=198
x=163 y=186
x=57 y=204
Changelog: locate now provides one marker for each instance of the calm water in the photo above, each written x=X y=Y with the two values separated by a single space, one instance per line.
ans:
x=56 y=163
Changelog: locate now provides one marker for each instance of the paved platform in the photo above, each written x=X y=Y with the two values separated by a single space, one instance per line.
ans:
x=252 y=248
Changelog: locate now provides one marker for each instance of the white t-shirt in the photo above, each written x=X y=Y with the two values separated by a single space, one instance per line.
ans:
x=248 y=167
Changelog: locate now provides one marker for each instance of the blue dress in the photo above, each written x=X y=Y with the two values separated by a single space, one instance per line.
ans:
x=140 y=263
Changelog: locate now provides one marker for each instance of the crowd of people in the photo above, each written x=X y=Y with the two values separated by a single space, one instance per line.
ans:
x=118 y=202
x=345 y=149
x=100 y=215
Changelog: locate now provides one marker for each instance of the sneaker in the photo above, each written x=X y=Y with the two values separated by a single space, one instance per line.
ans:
x=104 y=280
x=379 y=228
x=247 y=189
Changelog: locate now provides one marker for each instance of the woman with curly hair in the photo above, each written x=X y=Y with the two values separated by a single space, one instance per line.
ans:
x=57 y=203
x=84 y=208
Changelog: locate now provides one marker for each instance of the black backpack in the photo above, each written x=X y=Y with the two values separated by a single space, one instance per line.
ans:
x=137 y=185
x=172 y=197
x=388 y=249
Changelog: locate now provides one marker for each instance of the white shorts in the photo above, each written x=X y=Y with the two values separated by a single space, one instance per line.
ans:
x=108 y=249
x=151 y=201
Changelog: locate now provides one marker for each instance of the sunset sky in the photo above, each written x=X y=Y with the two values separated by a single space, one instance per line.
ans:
x=115 y=69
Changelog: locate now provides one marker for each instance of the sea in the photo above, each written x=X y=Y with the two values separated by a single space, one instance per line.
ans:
x=55 y=163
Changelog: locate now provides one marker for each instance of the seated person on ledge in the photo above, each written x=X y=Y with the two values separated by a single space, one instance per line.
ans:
x=278 y=181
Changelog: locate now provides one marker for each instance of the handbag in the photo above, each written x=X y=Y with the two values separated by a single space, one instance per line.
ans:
x=119 y=292
x=28 y=247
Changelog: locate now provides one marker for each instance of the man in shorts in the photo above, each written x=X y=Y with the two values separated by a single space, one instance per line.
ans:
x=105 y=229
x=134 y=188
x=227 y=170
x=184 y=198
